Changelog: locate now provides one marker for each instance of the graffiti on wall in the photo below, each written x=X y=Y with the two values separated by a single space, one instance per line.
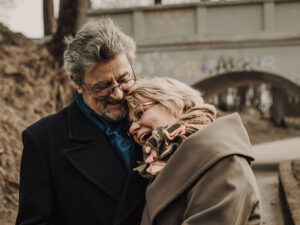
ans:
x=222 y=65
x=160 y=64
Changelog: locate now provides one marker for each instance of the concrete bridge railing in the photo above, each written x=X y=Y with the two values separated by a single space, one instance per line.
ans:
x=197 y=41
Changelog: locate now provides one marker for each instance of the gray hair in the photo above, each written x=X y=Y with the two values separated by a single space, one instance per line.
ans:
x=176 y=96
x=97 y=41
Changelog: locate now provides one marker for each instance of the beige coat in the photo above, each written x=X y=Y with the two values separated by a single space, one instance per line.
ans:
x=208 y=180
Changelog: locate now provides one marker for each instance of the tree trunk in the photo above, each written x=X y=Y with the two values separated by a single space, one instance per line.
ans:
x=49 y=20
x=157 y=2
x=72 y=14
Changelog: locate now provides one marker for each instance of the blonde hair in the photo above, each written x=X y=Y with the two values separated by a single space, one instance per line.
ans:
x=176 y=96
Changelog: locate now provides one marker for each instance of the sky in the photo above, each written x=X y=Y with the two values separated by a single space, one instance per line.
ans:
x=26 y=16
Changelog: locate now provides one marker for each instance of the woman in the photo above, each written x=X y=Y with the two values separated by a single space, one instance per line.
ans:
x=199 y=167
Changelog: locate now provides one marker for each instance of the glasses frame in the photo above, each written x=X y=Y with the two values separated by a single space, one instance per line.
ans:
x=141 y=105
x=112 y=88
x=145 y=104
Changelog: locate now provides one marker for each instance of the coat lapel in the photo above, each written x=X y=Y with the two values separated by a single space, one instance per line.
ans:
x=93 y=156
x=194 y=157
x=98 y=163
x=134 y=191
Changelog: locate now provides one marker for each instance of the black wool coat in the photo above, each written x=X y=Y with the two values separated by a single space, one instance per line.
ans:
x=71 y=175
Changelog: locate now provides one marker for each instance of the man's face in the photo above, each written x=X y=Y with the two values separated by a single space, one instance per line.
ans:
x=111 y=106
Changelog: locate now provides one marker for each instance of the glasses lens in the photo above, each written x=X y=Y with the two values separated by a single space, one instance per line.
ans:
x=104 y=91
x=97 y=91
x=127 y=85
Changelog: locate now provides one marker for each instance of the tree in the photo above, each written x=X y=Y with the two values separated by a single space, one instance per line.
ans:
x=157 y=2
x=72 y=14
x=49 y=20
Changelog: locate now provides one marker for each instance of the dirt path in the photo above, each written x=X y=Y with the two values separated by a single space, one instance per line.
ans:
x=261 y=131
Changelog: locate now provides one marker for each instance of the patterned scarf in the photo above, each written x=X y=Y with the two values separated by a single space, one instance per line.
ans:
x=165 y=140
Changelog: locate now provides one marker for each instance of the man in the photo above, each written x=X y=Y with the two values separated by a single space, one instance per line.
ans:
x=77 y=164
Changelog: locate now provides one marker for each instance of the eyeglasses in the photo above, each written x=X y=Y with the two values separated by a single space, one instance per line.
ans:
x=140 y=109
x=105 y=88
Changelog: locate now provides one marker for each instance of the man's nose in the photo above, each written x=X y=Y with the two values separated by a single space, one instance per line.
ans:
x=117 y=93
x=134 y=128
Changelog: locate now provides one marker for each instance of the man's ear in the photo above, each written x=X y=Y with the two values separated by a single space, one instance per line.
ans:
x=78 y=88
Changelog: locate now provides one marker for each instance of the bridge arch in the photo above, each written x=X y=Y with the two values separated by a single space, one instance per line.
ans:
x=222 y=82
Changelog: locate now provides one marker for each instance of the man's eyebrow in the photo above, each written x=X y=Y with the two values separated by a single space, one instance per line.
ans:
x=106 y=81
x=101 y=82
x=123 y=75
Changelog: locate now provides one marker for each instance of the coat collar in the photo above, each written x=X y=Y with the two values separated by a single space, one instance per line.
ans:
x=225 y=136
x=80 y=127
x=94 y=157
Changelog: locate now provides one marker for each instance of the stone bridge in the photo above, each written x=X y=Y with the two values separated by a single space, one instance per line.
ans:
x=216 y=45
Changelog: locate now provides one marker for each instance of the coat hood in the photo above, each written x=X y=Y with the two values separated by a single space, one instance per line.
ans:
x=224 y=137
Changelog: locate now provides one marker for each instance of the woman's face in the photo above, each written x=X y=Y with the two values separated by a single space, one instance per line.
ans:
x=145 y=118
